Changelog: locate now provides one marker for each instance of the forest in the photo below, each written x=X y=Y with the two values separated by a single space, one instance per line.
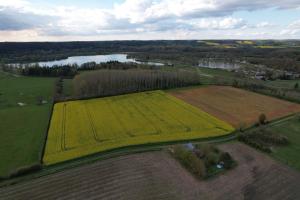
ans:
x=283 y=55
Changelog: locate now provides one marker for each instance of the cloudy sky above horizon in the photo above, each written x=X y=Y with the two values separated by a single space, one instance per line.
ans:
x=70 y=20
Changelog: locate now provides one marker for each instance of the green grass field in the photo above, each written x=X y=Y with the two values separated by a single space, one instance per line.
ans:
x=80 y=128
x=288 y=84
x=22 y=128
x=289 y=154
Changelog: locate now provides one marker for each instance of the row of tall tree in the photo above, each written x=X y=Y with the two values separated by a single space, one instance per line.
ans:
x=115 y=82
x=70 y=70
x=114 y=65
x=55 y=71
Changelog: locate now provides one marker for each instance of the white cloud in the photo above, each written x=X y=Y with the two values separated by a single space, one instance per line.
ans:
x=265 y=25
x=293 y=29
x=295 y=25
x=219 y=23
x=191 y=18
x=13 y=3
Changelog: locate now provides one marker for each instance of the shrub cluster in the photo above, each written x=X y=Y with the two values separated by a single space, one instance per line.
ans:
x=190 y=161
x=202 y=160
x=263 y=139
x=23 y=171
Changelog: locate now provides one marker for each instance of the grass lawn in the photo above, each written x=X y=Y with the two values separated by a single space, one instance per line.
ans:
x=22 y=128
x=210 y=75
x=289 y=154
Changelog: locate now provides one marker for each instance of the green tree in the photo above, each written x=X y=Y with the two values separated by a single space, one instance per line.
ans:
x=262 y=119
x=296 y=86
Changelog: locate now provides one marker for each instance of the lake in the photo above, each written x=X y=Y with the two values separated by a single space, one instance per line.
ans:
x=220 y=63
x=79 y=60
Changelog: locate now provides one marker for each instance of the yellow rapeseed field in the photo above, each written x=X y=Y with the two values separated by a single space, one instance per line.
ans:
x=80 y=128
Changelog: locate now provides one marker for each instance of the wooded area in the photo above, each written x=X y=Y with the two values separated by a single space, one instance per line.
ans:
x=284 y=55
x=115 y=82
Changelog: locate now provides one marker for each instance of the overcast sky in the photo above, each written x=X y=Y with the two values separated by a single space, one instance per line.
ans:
x=69 y=20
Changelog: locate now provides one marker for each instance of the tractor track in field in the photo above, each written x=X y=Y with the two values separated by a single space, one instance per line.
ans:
x=63 y=123
x=146 y=107
x=187 y=128
x=128 y=133
x=157 y=130
x=92 y=125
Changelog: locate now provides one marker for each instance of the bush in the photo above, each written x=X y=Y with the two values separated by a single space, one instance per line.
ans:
x=227 y=160
x=207 y=148
x=203 y=159
x=263 y=139
x=189 y=160
x=262 y=119
x=211 y=159
x=25 y=170
x=196 y=165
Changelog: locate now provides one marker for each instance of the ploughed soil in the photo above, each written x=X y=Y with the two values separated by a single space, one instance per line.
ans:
x=156 y=175
x=235 y=106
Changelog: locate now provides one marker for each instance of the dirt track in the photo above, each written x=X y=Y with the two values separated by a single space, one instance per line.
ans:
x=236 y=106
x=155 y=175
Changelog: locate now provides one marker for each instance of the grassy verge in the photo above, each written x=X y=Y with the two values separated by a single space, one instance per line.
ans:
x=288 y=154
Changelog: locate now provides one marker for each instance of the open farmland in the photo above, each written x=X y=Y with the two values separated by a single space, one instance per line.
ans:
x=237 y=107
x=23 y=127
x=156 y=175
x=79 y=128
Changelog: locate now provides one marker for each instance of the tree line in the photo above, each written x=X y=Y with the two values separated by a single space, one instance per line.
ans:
x=188 y=52
x=55 y=71
x=114 y=65
x=70 y=70
x=116 y=82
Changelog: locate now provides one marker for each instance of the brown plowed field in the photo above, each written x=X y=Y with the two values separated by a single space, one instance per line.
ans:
x=156 y=175
x=236 y=106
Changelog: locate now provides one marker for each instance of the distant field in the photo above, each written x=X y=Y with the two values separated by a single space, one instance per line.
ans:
x=236 y=106
x=79 y=128
x=22 y=128
x=288 y=154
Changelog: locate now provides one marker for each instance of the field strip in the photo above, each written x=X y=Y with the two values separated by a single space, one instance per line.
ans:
x=187 y=128
x=157 y=130
x=64 y=121
x=91 y=121
x=236 y=106
x=115 y=114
